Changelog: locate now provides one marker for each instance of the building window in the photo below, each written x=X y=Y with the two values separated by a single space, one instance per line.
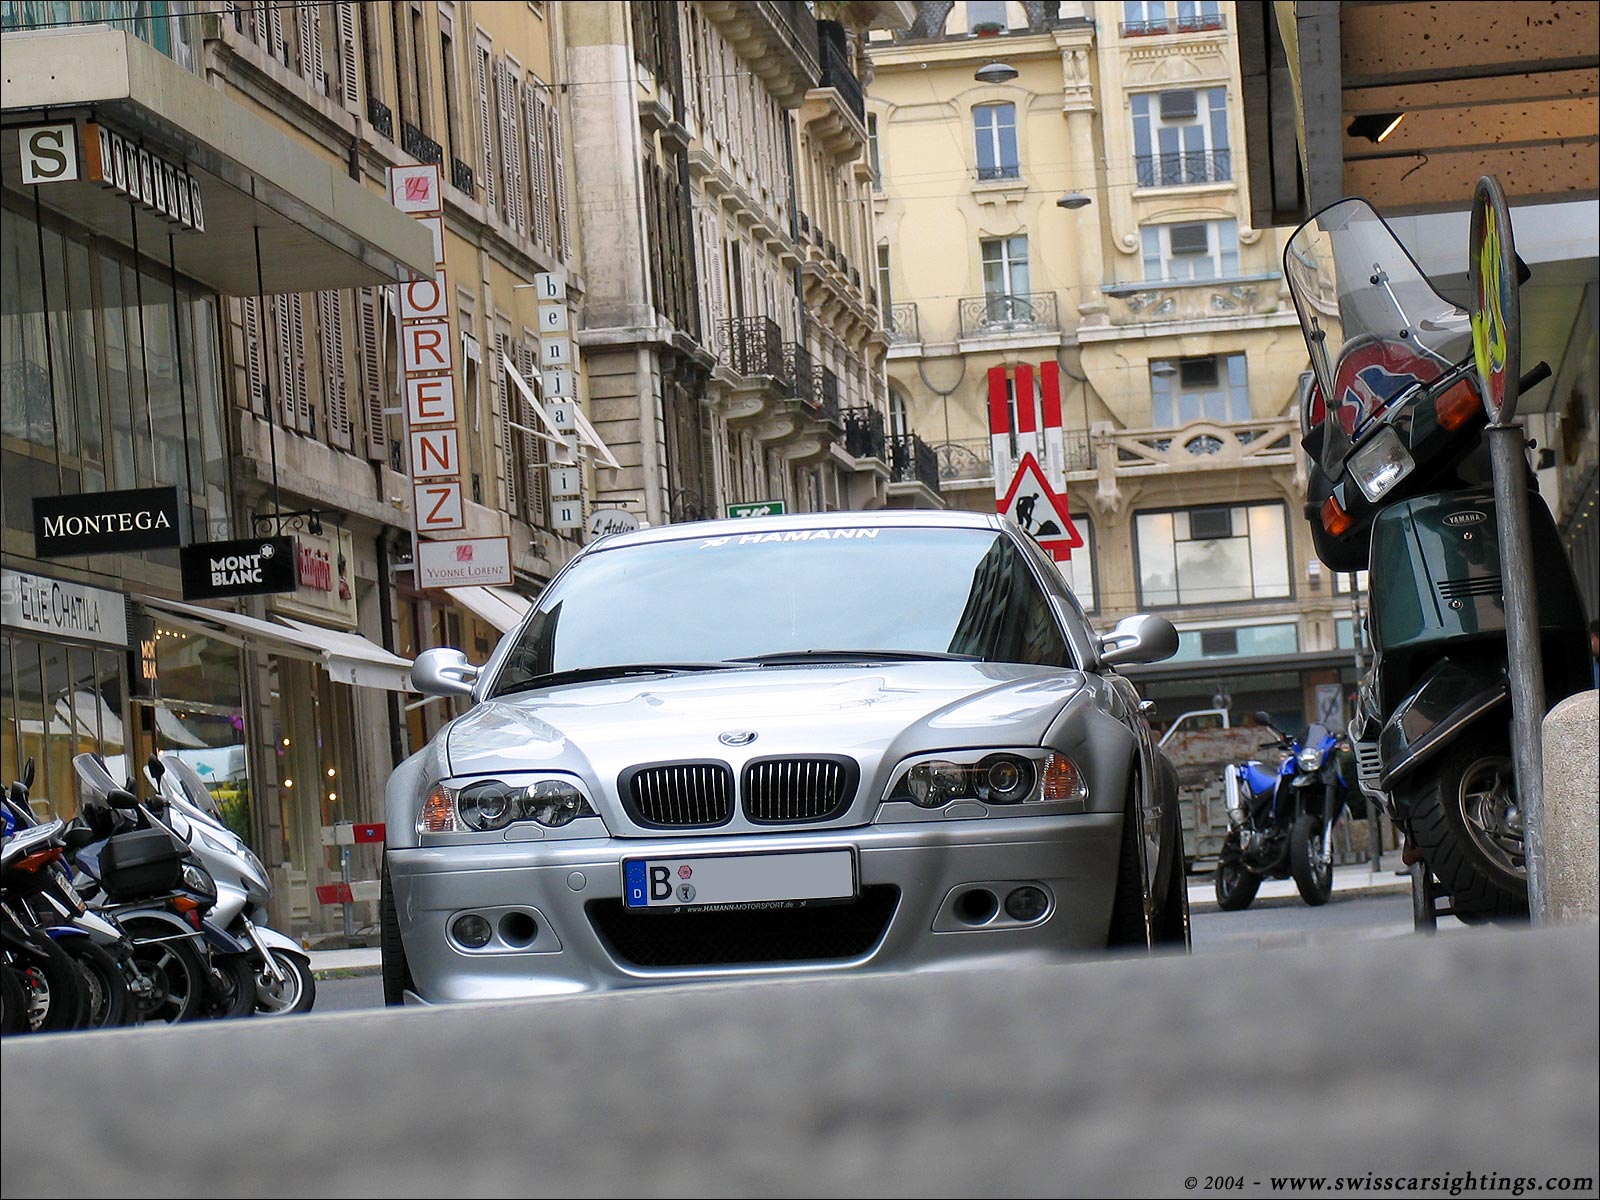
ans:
x=995 y=128
x=1212 y=388
x=1213 y=555
x=1144 y=18
x=885 y=297
x=1194 y=250
x=986 y=14
x=1079 y=569
x=1005 y=275
x=1231 y=641
x=1180 y=138
x=873 y=151
x=1195 y=15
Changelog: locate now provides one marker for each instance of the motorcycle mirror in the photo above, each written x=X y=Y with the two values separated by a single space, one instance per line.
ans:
x=27 y=774
x=1263 y=717
x=122 y=798
x=155 y=766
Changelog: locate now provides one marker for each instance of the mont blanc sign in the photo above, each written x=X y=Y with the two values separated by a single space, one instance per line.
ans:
x=105 y=522
x=245 y=567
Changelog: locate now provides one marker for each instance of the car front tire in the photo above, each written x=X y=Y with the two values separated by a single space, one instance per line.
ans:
x=397 y=979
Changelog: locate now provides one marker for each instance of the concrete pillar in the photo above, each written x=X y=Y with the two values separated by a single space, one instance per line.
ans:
x=1572 y=808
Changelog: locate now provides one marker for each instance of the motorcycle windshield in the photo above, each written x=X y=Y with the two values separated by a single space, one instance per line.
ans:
x=1375 y=327
x=193 y=787
x=93 y=778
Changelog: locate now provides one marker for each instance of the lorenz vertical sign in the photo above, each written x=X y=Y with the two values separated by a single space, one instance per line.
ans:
x=557 y=383
x=428 y=380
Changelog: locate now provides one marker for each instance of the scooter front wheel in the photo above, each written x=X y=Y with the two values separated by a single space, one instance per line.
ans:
x=295 y=994
x=174 y=968
x=1312 y=870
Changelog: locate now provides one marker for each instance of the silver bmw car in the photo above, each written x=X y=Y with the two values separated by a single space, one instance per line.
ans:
x=815 y=743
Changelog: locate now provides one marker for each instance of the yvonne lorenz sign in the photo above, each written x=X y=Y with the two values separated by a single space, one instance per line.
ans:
x=106 y=522
x=246 y=567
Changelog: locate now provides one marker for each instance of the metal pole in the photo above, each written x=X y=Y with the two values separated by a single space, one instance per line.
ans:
x=1374 y=815
x=1524 y=667
x=349 y=905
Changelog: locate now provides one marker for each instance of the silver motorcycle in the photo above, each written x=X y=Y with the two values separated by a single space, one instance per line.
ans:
x=282 y=969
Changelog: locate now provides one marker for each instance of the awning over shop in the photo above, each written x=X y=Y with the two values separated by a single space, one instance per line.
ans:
x=319 y=228
x=347 y=657
x=502 y=609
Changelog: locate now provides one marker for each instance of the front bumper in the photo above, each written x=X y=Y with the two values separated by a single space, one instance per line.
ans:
x=556 y=907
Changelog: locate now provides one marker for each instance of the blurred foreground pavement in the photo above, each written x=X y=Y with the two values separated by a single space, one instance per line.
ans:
x=1411 y=1057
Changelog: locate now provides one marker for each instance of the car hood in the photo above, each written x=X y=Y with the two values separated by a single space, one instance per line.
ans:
x=871 y=712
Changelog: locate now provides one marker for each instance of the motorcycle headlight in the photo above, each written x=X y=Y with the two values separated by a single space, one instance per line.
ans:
x=1310 y=759
x=198 y=880
x=1380 y=464
x=489 y=804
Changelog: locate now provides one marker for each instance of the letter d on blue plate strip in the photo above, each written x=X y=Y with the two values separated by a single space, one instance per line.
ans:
x=633 y=882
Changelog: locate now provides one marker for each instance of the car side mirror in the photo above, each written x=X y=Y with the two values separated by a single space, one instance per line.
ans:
x=443 y=672
x=1141 y=638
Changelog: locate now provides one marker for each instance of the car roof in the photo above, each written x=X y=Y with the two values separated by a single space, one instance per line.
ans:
x=876 y=519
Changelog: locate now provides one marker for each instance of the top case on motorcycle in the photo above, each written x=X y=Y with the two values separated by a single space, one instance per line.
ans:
x=140 y=863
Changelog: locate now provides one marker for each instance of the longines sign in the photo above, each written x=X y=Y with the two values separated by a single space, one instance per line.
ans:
x=106 y=522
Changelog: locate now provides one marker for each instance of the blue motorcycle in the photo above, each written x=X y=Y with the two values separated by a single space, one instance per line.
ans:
x=1280 y=821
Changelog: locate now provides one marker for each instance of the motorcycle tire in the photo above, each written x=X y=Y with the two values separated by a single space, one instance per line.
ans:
x=234 y=994
x=397 y=979
x=1313 y=875
x=1452 y=810
x=108 y=1001
x=54 y=989
x=175 y=969
x=296 y=994
x=13 y=1002
x=1236 y=886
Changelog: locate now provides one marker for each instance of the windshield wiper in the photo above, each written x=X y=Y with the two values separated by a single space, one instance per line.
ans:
x=613 y=671
x=803 y=656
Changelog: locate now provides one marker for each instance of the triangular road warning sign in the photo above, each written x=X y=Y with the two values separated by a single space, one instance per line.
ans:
x=1031 y=504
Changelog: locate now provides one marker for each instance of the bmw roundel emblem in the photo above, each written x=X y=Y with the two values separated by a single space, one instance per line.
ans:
x=737 y=737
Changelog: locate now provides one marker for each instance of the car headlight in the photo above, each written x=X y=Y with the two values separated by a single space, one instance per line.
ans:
x=1381 y=463
x=1310 y=759
x=1001 y=779
x=485 y=805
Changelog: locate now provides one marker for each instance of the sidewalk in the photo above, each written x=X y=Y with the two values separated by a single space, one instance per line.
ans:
x=1358 y=878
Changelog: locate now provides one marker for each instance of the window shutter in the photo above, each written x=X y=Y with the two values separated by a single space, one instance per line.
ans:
x=306 y=27
x=533 y=473
x=349 y=59
x=539 y=156
x=250 y=320
x=335 y=393
x=485 y=136
x=278 y=48
x=371 y=360
x=558 y=171
x=1176 y=106
x=1190 y=239
x=285 y=403
x=302 y=397
x=502 y=395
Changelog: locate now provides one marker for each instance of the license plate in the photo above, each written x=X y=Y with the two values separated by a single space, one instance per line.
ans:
x=791 y=879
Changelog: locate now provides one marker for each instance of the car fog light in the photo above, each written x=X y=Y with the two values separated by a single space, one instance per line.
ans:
x=1026 y=903
x=472 y=931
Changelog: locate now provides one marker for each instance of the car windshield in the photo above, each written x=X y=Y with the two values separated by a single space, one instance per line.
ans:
x=1373 y=323
x=848 y=594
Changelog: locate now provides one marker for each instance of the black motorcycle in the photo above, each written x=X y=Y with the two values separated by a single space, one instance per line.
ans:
x=1399 y=482
x=1280 y=822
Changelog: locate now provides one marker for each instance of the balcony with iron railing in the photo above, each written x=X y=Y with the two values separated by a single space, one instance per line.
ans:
x=997 y=315
x=419 y=145
x=903 y=324
x=753 y=347
x=827 y=396
x=380 y=118
x=1183 y=170
x=837 y=74
x=911 y=460
x=461 y=176
x=999 y=172
x=971 y=460
x=863 y=432
x=1201 y=22
x=1150 y=28
x=799 y=372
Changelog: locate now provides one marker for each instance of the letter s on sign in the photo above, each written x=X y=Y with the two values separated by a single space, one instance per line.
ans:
x=49 y=153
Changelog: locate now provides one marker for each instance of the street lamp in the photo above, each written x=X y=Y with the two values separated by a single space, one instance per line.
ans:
x=1074 y=200
x=995 y=72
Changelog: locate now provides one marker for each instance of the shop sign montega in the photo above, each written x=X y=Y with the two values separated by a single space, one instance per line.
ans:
x=49 y=154
x=106 y=522
x=427 y=360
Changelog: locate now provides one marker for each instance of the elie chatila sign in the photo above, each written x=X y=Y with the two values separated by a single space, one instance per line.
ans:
x=247 y=567
x=107 y=522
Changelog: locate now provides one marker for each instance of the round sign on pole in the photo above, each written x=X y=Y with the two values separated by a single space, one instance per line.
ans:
x=1496 y=309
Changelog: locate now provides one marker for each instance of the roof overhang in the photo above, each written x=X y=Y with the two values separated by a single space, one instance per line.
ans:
x=319 y=228
x=1487 y=92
